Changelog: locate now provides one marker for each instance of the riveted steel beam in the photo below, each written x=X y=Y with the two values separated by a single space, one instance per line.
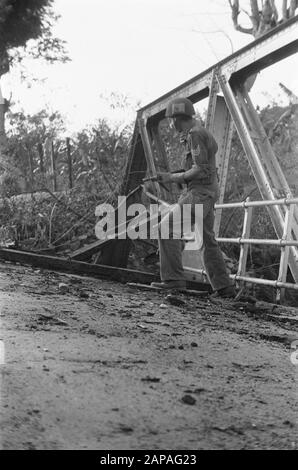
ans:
x=270 y=48
x=262 y=176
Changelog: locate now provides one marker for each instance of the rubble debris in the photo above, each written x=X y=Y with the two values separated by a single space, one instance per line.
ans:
x=188 y=400
x=83 y=294
x=126 y=315
x=174 y=300
x=63 y=288
x=199 y=390
x=150 y=379
x=125 y=429
x=150 y=314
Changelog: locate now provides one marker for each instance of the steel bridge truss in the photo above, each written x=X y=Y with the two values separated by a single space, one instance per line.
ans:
x=229 y=108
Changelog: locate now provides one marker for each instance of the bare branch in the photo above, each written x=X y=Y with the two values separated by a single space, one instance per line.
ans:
x=241 y=29
x=228 y=38
x=284 y=10
x=245 y=12
x=255 y=15
x=274 y=11
x=293 y=6
x=235 y=13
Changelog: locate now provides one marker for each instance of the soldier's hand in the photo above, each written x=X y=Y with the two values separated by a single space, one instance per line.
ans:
x=164 y=177
x=178 y=178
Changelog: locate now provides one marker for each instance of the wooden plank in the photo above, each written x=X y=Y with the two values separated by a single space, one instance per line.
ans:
x=87 y=251
x=77 y=267
x=94 y=270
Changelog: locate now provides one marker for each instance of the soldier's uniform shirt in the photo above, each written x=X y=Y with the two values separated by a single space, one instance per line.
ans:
x=199 y=161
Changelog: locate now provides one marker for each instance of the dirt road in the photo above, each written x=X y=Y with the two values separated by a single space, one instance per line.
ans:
x=99 y=365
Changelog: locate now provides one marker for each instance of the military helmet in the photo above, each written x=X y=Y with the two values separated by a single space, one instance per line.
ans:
x=180 y=107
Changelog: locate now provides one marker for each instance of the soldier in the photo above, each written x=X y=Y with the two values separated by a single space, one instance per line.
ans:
x=200 y=178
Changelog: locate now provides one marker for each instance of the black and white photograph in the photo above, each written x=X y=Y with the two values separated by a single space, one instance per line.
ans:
x=149 y=228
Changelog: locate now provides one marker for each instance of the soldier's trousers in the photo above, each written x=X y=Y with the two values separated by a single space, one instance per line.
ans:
x=170 y=250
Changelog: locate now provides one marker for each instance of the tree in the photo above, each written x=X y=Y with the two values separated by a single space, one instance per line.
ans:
x=262 y=17
x=23 y=20
x=20 y=22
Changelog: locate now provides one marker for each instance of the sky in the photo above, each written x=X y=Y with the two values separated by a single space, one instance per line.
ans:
x=137 y=48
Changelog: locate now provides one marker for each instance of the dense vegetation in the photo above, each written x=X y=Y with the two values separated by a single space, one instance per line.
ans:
x=64 y=220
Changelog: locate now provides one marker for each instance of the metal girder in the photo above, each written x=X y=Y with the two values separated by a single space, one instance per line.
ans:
x=262 y=176
x=220 y=124
x=213 y=92
x=244 y=247
x=266 y=154
x=285 y=252
x=136 y=166
x=246 y=139
x=270 y=162
x=276 y=45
